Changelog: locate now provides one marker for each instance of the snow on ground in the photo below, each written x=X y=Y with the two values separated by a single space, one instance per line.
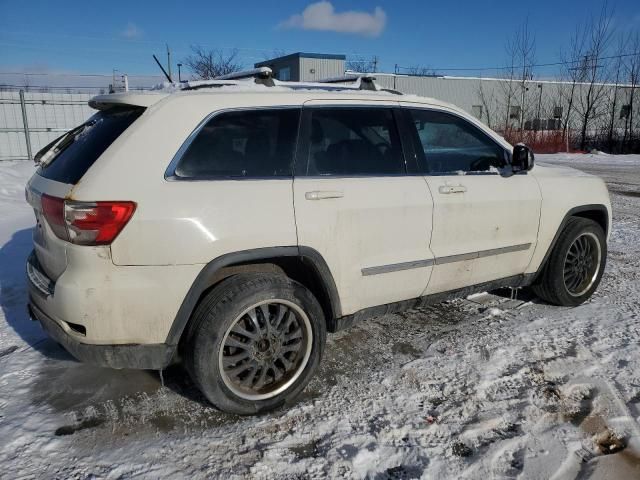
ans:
x=485 y=387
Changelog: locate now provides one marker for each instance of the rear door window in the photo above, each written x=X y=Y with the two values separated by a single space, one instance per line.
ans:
x=245 y=143
x=69 y=157
x=347 y=141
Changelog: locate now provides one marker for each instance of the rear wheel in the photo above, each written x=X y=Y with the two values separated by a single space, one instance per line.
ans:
x=576 y=264
x=255 y=342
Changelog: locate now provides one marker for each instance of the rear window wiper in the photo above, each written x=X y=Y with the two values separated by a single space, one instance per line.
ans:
x=49 y=152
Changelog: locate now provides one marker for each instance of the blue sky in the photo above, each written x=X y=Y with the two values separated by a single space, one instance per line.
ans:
x=94 y=37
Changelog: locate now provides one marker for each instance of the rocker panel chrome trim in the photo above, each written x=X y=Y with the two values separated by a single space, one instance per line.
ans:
x=396 y=267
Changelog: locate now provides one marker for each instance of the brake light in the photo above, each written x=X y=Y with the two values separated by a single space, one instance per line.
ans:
x=53 y=211
x=86 y=223
x=96 y=223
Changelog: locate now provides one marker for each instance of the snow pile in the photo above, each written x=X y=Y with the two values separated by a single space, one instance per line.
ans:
x=487 y=386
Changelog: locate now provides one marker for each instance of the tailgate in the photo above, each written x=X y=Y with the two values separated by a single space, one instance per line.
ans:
x=62 y=164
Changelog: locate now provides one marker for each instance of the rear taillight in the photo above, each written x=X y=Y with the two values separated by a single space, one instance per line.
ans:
x=53 y=211
x=86 y=223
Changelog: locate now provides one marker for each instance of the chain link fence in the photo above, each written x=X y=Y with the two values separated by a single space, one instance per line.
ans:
x=31 y=120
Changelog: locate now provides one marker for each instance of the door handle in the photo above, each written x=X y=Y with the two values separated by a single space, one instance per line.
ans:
x=446 y=189
x=323 y=194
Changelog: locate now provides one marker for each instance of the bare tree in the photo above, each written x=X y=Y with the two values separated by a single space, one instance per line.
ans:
x=508 y=89
x=275 y=53
x=524 y=45
x=632 y=74
x=362 y=64
x=208 y=64
x=421 y=71
x=521 y=51
x=487 y=101
x=572 y=74
x=616 y=76
x=592 y=71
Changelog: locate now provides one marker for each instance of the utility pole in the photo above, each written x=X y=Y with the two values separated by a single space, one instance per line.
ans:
x=375 y=63
x=168 y=60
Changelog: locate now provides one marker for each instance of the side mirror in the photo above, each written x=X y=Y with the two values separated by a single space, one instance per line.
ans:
x=522 y=159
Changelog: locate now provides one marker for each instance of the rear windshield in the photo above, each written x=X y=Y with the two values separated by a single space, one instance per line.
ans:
x=68 y=158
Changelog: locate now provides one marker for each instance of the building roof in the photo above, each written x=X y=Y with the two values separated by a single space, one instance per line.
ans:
x=298 y=55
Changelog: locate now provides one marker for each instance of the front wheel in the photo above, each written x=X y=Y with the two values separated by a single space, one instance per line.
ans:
x=576 y=264
x=255 y=342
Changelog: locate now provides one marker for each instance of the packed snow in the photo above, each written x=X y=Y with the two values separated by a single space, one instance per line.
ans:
x=483 y=387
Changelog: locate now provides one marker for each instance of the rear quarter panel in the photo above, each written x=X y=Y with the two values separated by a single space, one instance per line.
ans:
x=186 y=222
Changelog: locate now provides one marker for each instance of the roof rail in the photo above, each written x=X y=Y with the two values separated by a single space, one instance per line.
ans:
x=363 y=81
x=260 y=72
x=349 y=77
x=198 y=84
x=262 y=75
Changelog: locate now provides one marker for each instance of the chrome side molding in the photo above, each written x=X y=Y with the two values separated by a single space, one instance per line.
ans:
x=396 y=267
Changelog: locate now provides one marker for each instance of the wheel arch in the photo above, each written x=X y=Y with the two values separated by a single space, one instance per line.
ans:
x=600 y=215
x=303 y=264
x=596 y=212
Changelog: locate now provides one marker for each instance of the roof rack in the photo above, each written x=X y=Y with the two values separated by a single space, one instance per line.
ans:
x=264 y=76
x=361 y=81
x=364 y=81
x=198 y=84
x=350 y=77
x=257 y=73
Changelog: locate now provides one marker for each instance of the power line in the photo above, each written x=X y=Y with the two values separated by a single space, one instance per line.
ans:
x=398 y=67
x=59 y=74
x=148 y=42
x=552 y=64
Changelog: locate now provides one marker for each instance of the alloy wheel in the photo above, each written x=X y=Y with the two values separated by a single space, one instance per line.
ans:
x=265 y=349
x=582 y=264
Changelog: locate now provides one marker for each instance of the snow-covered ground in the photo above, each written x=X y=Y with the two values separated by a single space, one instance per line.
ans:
x=486 y=387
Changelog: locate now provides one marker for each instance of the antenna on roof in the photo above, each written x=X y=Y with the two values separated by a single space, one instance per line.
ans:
x=162 y=68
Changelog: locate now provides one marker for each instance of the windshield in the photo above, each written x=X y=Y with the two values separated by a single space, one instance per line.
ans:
x=70 y=156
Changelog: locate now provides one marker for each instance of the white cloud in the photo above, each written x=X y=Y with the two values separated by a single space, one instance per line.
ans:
x=322 y=16
x=131 y=31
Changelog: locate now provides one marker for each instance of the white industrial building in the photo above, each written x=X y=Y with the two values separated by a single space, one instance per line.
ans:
x=529 y=106
x=503 y=104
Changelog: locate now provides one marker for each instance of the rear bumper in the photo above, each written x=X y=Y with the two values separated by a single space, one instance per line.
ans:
x=99 y=303
x=151 y=356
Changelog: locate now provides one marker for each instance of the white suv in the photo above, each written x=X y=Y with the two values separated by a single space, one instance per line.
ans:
x=232 y=226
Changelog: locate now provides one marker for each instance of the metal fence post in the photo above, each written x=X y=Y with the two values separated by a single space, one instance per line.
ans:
x=25 y=122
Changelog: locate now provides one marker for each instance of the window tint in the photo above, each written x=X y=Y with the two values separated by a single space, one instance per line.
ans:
x=68 y=158
x=451 y=144
x=354 y=141
x=258 y=143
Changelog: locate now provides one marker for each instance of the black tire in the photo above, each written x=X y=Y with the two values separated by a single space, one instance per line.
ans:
x=217 y=314
x=551 y=285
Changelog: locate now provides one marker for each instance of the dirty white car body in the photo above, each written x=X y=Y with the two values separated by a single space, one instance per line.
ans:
x=361 y=244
